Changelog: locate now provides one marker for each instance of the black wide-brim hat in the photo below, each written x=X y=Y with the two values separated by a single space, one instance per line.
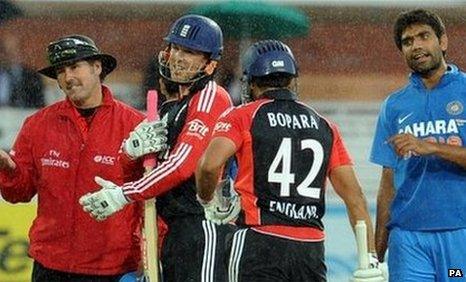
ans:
x=74 y=48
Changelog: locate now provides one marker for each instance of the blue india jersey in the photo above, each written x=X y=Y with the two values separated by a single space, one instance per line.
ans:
x=430 y=191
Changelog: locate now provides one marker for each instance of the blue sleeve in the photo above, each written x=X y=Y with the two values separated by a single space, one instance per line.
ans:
x=228 y=179
x=232 y=168
x=382 y=152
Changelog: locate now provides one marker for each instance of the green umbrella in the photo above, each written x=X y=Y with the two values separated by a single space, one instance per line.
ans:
x=255 y=19
x=247 y=20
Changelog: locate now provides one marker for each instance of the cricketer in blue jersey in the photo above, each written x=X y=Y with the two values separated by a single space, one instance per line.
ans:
x=420 y=142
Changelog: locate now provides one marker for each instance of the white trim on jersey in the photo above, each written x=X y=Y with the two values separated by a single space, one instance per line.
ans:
x=207 y=97
x=208 y=261
x=165 y=168
x=235 y=255
x=212 y=97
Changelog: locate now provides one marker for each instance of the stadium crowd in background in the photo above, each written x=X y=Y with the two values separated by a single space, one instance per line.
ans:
x=20 y=86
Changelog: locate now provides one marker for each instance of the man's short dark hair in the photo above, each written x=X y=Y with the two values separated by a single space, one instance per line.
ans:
x=275 y=80
x=418 y=16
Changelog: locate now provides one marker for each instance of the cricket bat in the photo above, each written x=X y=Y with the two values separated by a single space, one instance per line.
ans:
x=150 y=236
x=361 y=244
x=364 y=273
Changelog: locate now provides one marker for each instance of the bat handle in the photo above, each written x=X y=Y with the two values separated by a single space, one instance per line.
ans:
x=152 y=115
x=150 y=234
x=361 y=242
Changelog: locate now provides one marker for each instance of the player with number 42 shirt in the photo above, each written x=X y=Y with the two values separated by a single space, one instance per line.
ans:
x=287 y=144
x=285 y=152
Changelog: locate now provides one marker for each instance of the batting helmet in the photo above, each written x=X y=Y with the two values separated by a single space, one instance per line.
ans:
x=197 y=33
x=267 y=57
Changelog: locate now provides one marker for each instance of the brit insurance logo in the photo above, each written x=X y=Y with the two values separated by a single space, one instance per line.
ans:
x=106 y=160
x=455 y=108
x=197 y=128
x=52 y=158
x=222 y=127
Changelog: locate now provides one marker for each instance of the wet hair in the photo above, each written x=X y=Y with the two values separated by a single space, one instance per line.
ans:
x=418 y=16
x=103 y=74
x=276 y=80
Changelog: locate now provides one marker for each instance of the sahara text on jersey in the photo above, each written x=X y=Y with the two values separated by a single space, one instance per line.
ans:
x=423 y=129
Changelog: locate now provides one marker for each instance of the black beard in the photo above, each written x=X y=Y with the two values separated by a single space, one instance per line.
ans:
x=428 y=69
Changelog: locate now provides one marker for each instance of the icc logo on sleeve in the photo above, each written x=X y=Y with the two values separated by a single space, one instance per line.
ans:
x=106 y=160
x=453 y=272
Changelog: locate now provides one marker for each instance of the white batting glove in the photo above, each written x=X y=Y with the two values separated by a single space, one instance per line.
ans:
x=372 y=274
x=222 y=209
x=146 y=138
x=218 y=212
x=105 y=202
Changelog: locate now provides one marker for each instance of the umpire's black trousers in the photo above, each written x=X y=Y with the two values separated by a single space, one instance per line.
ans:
x=41 y=273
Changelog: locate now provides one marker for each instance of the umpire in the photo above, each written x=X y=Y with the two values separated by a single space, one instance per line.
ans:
x=56 y=156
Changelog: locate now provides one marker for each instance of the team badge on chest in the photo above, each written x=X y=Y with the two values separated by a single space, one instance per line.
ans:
x=454 y=108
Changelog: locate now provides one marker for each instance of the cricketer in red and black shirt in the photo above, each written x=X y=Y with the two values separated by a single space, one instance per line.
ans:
x=285 y=152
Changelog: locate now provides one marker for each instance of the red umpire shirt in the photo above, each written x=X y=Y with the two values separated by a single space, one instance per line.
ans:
x=58 y=155
x=285 y=151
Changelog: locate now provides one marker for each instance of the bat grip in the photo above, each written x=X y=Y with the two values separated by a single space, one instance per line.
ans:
x=152 y=115
x=361 y=242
